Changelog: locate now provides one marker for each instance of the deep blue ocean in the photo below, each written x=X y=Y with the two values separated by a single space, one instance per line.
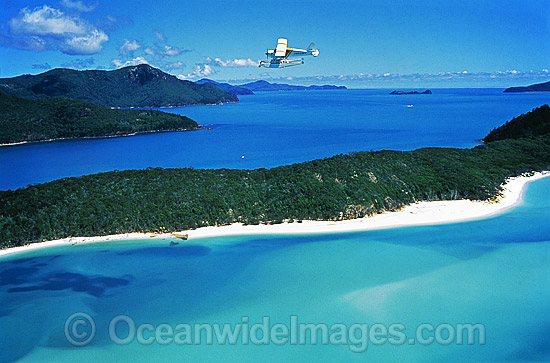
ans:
x=493 y=272
x=271 y=129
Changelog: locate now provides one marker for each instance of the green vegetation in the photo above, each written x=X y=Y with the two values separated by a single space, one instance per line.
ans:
x=539 y=87
x=340 y=187
x=58 y=117
x=536 y=122
x=135 y=86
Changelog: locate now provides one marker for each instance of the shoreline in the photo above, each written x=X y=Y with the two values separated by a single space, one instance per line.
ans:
x=95 y=137
x=199 y=127
x=417 y=214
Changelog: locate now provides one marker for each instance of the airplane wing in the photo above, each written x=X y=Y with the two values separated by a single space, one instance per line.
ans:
x=281 y=49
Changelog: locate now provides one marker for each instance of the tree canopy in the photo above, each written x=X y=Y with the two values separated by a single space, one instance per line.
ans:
x=59 y=117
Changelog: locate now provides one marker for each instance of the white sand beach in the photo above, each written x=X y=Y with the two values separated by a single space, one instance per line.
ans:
x=422 y=213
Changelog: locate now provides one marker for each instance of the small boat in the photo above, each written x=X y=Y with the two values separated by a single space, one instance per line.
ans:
x=409 y=106
x=183 y=236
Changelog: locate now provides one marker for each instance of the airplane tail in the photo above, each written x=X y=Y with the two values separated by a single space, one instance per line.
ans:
x=312 y=48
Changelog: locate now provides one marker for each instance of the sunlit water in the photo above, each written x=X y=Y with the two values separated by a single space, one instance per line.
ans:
x=277 y=128
x=494 y=272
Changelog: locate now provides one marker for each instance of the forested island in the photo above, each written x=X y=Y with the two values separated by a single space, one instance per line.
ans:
x=535 y=123
x=336 y=188
x=539 y=87
x=133 y=86
x=23 y=120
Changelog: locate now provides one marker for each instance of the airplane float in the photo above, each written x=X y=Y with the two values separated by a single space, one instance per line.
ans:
x=283 y=56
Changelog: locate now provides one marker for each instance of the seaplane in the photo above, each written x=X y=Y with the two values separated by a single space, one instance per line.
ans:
x=283 y=56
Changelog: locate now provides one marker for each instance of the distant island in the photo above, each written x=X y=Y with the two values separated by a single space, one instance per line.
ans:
x=336 y=188
x=134 y=86
x=236 y=90
x=539 y=87
x=266 y=86
x=426 y=92
x=27 y=120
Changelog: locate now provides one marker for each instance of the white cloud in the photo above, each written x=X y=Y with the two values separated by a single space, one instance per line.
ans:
x=173 y=65
x=133 y=62
x=129 y=46
x=200 y=70
x=46 y=20
x=87 y=44
x=171 y=51
x=233 y=62
x=44 y=28
x=203 y=70
x=165 y=50
x=78 y=5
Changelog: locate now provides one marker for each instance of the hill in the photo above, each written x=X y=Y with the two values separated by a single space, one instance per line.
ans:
x=24 y=119
x=340 y=187
x=236 y=90
x=539 y=87
x=534 y=123
x=266 y=86
x=135 y=86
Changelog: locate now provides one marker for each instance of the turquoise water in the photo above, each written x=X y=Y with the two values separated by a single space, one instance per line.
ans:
x=494 y=272
x=278 y=128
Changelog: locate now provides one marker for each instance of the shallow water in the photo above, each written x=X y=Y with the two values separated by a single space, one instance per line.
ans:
x=494 y=272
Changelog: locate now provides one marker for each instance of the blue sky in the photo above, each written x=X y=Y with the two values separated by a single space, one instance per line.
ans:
x=362 y=43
